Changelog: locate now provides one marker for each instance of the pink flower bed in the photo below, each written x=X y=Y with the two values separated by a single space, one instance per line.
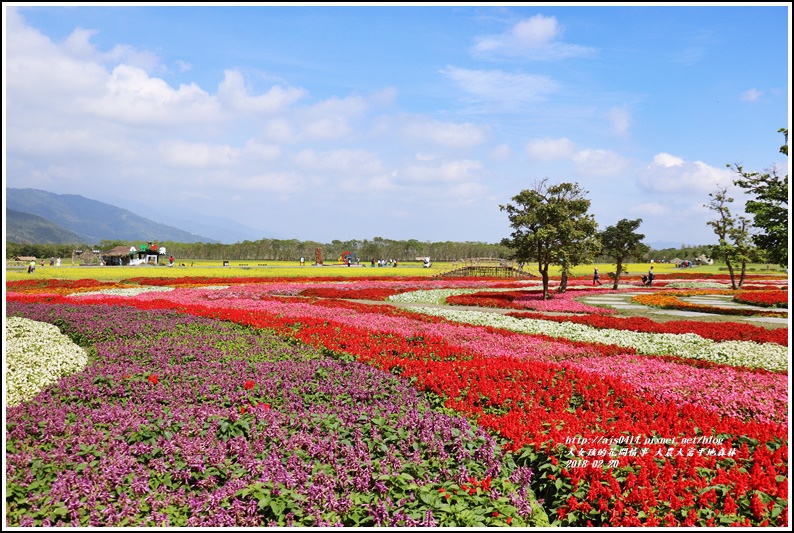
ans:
x=729 y=391
x=564 y=303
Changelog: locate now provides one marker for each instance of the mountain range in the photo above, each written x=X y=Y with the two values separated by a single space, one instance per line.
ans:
x=36 y=216
x=40 y=217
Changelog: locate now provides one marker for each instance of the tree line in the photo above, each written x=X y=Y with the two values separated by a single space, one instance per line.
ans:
x=552 y=226
x=293 y=249
x=366 y=250
x=287 y=250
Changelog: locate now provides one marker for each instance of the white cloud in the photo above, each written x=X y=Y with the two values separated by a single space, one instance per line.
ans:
x=276 y=182
x=752 y=95
x=651 y=209
x=446 y=172
x=183 y=154
x=346 y=107
x=670 y=174
x=599 y=162
x=501 y=152
x=450 y=134
x=130 y=56
x=198 y=155
x=384 y=97
x=233 y=93
x=50 y=83
x=502 y=88
x=78 y=44
x=666 y=160
x=327 y=128
x=43 y=74
x=533 y=38
x=587 y=161
x=330 y=119
x=280 y=130
x=620 y=120
x=466 y=193
x=550 y=149
x=378 y=184
x=345 y=161
x=133 y=97
x=536 y=31
x=76 y=141
x=382 y=183
x=333 y=118
x=257 y=150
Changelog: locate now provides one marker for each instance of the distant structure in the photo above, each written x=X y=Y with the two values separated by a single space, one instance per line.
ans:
x=486 y=267
x=347 y=257
x=318 y=256
x=144 y=254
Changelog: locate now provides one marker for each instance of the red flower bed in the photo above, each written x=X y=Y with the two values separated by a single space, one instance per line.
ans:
x=351 y=294
x=716 y=331
x=773 y=298
x=489 y=299
x=54 y=285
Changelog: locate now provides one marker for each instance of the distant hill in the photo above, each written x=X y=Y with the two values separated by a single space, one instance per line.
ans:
x=25 y=228
x=223 y=229
x=93 y=220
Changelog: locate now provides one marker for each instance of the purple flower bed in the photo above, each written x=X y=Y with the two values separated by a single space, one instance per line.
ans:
x=185 y=421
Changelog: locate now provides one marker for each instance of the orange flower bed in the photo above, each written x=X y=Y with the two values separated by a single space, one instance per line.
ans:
x=671 y=300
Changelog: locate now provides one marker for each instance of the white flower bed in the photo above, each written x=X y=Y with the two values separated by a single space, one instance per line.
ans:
x=735 y=353
x=132 y=291
x=37 y=355
x=439 y=296
x=696 y=285
x=433 y=296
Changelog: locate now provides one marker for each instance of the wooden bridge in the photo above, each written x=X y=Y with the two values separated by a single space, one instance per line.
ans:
x=486 y=267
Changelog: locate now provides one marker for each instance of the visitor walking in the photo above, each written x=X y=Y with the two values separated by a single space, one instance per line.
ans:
x=650 y=277
x=596 y=277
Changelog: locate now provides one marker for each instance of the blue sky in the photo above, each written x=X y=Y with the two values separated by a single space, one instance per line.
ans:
x=348 y=122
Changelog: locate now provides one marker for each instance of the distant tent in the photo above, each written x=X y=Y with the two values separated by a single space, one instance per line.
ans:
x=24 y=258
x=677 y=261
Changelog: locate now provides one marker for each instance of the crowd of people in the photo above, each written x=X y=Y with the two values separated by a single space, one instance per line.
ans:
x=384 y=263
x=53 y=262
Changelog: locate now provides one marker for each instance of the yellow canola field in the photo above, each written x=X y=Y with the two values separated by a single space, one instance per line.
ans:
x=292 y=269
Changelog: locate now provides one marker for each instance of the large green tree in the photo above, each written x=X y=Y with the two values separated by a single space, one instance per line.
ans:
x=551 y=225
x=769 y=207
x=734 y=245
x=621 y=242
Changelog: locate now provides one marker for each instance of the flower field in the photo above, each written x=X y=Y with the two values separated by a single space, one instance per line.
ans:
x=361 y=402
